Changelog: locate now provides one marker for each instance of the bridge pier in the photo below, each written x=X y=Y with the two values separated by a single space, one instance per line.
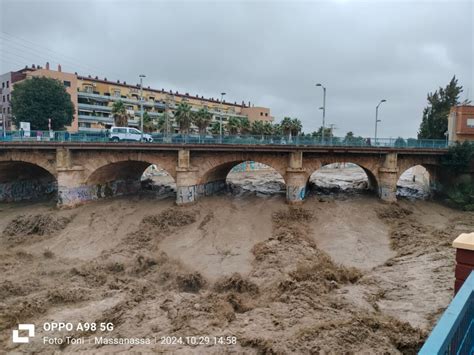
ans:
x=187 y=187
x=296 y=179
x=388 y=178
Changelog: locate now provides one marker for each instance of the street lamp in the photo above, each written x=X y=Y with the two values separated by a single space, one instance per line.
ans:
x=324 y=109
x=377 y=119
x=141 y=105
x=220 y=126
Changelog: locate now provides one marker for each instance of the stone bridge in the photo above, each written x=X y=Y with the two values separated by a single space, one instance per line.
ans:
x=77 y=173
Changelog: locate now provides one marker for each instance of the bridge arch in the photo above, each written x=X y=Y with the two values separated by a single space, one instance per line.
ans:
x=115 y=177
x=218 y=166
x=21 y=180
x=419 y=180
x=220 y=172
x=370 y=174
x=46 y=161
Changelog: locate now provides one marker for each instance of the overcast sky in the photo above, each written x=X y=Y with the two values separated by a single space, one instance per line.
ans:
x=267 y=52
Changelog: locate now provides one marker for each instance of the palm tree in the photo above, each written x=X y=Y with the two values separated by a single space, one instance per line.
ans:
x=267 y=128
x=296 y=126
x=277 y=129
x=183 y=117
x=120 y=114
x=245 y=127
x=233 y=126
x=286 y=126
x=258 y=128
x=215 y=127
x=202 y=119
x=148 y=124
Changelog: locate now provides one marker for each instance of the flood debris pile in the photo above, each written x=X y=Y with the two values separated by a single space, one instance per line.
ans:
x=24 y=226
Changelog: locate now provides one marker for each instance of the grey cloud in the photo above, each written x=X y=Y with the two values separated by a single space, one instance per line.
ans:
x=271 y=53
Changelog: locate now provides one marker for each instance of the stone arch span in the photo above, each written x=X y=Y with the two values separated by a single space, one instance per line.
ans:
x=122 y=170
x=20 y=181
x=216 y=167
x=46 y=160
x=370 y=170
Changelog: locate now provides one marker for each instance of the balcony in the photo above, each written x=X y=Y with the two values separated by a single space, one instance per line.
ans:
x=105 y=120
x=94 y=119
x=94 y=107
x=116 y=98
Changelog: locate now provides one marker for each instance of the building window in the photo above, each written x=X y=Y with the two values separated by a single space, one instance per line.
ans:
x=8 y=97
x=117 y=93
x=3 y=85
x=3 y=98
x=67 y=83
x=266 y=114
x=8 y=84
x=261 y=113
x=88 y=89
x=9 y=110
x=470 y=122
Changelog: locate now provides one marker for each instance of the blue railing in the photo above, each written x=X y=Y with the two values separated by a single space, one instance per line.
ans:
x=104 y=136
x=454 y=333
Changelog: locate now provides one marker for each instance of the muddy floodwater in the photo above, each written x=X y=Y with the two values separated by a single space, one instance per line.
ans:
x=345 y=272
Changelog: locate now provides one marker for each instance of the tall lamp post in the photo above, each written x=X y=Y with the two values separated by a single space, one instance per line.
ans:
x=377 y=119
x=220 y=126
x=324 y=109
x=141 y=105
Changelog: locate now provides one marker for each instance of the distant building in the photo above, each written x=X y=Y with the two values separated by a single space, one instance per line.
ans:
x=93 y=99
x=461 y=123
x=5 y=96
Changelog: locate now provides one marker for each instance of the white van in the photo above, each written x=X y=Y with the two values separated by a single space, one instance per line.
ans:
x=128 y=134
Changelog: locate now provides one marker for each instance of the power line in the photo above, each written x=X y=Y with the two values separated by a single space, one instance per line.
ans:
x=42 y=49
x=41 y=53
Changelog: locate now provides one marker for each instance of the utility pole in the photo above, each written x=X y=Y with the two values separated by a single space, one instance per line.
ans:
x=141 y=106
x=222 y=106
x=324 y=110
x=377 y=119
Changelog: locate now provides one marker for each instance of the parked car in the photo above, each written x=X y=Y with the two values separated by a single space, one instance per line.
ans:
x=128 y=134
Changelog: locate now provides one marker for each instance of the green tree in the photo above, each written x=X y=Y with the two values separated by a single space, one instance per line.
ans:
x=202 y=119
x=148 y=123
x=351 y=139
x=120 y=114
x=184 y=117
x=277 y=130
x=38 y=99
x=459 y=156
x=244 y=125
x=215 y=127
x=286 y=126
x=257 y=128
x=296 y=126
x=319 y=133
x=434 y=123
x=233 y=125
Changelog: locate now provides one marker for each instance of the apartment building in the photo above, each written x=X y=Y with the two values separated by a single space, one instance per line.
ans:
x=94 y=97
x=461 y=123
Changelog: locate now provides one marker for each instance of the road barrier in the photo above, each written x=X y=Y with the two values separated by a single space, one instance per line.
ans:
x=103 y=136
x=454 y=333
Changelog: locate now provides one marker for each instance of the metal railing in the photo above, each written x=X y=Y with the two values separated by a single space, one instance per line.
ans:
x=104 y=136
x=454 y=333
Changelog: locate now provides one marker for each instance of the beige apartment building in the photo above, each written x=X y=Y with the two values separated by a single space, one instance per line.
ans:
x=93 y=98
